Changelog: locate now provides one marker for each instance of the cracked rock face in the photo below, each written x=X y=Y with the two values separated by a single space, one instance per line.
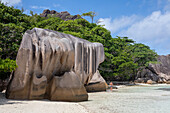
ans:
x=54 y=66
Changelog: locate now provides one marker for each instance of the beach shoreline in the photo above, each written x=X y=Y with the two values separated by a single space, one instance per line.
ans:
x=121 y=100
x=39 y=106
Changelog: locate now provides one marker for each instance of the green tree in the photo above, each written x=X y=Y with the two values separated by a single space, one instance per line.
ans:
x=123 y=57
x=32 y=13
x=90 y=14
x=6 y=67
x=12 y=26
x=142 y=55
x=22 y=10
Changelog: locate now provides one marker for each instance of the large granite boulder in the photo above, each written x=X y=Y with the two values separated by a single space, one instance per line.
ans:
x=54 y=66
x=159 y=72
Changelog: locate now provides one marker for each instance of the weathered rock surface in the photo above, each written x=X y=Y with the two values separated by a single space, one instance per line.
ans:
x=54 y=66
x=63 y=15
x=159 y=72
x=97 y=83
x=150 y=82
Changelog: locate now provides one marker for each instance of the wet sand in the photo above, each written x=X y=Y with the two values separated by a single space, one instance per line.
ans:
x=131 y=99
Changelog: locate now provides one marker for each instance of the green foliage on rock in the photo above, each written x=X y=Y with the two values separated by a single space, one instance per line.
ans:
x=123 y=57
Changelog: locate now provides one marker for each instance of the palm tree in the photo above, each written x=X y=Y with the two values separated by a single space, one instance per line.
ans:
x=91 y=14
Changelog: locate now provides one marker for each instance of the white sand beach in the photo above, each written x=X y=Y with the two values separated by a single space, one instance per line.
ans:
x=126 y=99
x=38 y=106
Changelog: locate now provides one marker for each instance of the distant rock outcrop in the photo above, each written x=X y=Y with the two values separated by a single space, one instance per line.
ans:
x=55 y=66
x=63 y=15
x=159 y=72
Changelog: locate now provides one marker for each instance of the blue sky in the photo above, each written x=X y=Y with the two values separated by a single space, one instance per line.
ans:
x=145 y=21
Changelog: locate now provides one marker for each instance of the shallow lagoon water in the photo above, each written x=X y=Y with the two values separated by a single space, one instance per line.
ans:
x=131 y=99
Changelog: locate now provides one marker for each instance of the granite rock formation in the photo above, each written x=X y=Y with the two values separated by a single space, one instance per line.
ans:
x=159 y=72
x=63 y=15
x=96 y=84
x=55 y=66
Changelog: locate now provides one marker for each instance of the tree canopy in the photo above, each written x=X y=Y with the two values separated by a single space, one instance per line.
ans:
x=124 y=58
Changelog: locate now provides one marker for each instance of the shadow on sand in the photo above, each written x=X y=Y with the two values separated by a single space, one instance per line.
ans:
x=4 y=101
x=164 y=89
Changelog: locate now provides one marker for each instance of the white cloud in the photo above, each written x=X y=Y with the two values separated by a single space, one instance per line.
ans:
x=39 y=7
x=26 y=12
x=56 y=5
x=118 y=23
x=153 y=25
x=11 y=2
x=153 y=30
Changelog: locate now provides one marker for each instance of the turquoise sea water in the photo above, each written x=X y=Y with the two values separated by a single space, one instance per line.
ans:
x=133 y=99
